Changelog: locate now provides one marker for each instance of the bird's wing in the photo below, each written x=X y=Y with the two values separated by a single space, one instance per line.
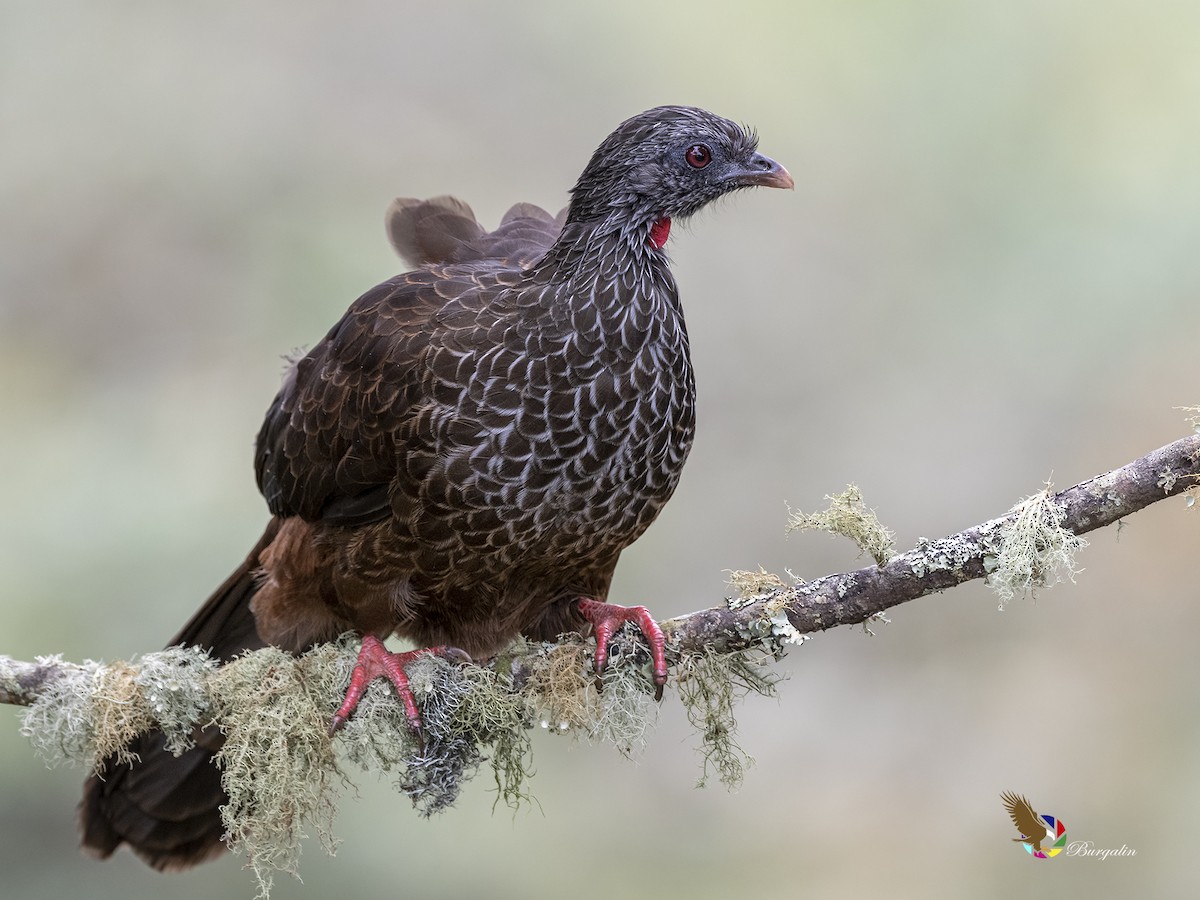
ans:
x=444 y=231
x=1028 y=822
x=386 y=377
x=327 y=449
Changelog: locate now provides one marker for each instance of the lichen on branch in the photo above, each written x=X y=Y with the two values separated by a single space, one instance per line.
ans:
x=850 y=517
x=1033 y=549
x=283 y=773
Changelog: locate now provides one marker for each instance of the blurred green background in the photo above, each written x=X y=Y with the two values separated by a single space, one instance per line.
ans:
x=988 y=275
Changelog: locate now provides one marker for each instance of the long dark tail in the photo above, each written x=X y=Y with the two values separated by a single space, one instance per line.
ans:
x=166 y=807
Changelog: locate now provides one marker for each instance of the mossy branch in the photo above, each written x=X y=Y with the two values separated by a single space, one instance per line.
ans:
x=774 y=612
x=1028 y=547
x=281 y=769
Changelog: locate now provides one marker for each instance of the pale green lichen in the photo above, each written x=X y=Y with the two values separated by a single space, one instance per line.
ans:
x=709 y=684
x=172 y=682
x=1033 y=549
x=92 y=711
x=753 y=586
x=278 y=763
x=944 y=555
x=60 y=724
x=622 y=711
x=784 y=631
x=773 y=631
x=283 y=773
x=561 y=686
x=1167 y=478
x=850 y=517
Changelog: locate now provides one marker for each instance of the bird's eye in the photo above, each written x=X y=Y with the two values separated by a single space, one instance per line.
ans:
x=698 y=156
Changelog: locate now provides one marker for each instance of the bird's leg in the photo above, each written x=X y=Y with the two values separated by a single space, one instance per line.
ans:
x=606 y=618
x=374 y=661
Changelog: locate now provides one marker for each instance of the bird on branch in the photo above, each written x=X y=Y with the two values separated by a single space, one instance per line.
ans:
x=463 y=457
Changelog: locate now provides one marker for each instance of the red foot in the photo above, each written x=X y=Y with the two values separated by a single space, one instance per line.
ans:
x=606 y=618
x=376 y=660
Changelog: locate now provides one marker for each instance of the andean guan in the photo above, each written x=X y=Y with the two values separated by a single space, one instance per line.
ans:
x=463 y=457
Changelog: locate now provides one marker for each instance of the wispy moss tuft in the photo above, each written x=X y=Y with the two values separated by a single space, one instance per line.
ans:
x=61 y=724
x=709 y=684
x=754 y=585
x=848 y=516
x=174 y=685
x=278 y=763
x=93 y=711
x=1034 y=550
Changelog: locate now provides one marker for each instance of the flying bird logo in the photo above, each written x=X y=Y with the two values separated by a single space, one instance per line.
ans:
x=1035 y=828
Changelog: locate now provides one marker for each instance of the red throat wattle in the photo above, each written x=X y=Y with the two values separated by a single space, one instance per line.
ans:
x=659 y=232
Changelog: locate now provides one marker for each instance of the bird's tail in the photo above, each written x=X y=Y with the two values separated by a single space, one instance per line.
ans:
x=167 y=807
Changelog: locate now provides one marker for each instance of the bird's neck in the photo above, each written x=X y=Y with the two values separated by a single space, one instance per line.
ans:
x=607 y=250
x=613 y=281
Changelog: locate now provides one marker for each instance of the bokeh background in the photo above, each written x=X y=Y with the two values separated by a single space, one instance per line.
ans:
x=987 y=276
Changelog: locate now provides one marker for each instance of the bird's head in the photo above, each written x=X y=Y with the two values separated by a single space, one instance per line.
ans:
x=667 y=163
